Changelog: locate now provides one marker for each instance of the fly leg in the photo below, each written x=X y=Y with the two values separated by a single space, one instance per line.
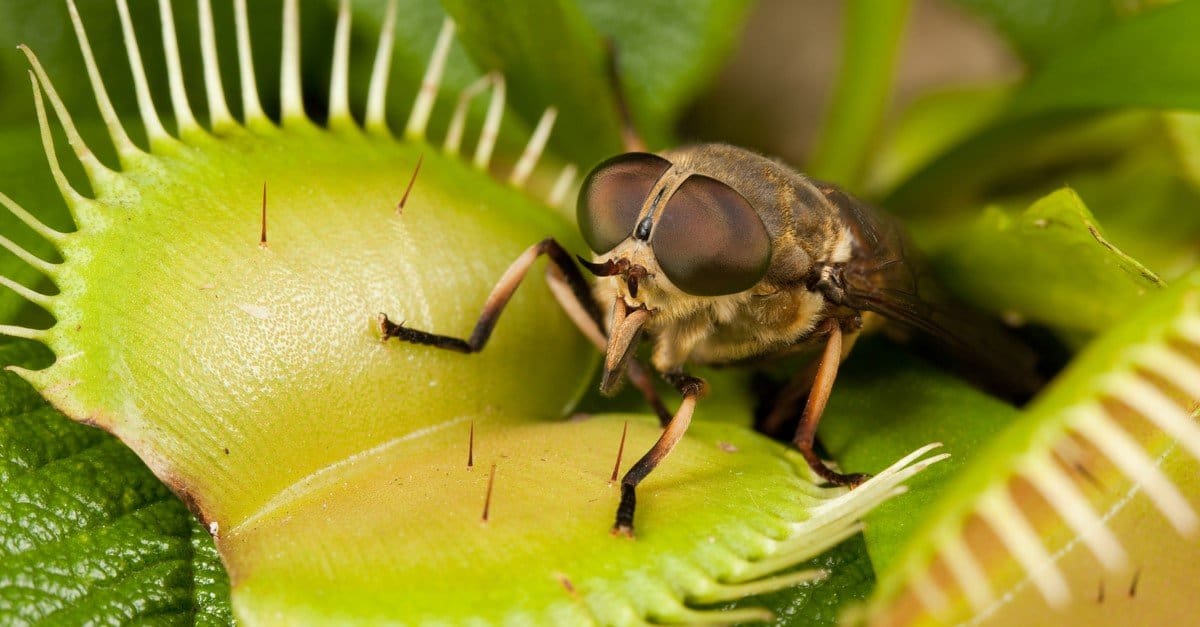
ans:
x=818 y=396
x=499 y=297
x=569 y=288
x=691 y=388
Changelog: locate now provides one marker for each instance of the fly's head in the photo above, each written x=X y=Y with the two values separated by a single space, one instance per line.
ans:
x=669 y=242
x=665 y=232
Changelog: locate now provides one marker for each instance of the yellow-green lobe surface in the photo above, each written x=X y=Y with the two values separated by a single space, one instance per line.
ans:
x=237 y=370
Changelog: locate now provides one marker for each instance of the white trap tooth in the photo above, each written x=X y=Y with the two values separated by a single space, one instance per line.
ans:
x=218 y=108
x=91 y=165
x=32 y=296
x=418 y=119
x=928 y=592
x=376 y=120
x=1093 y=423
x=458 y=121
x=70 y=195
x=179 y=102
x=42 y=265
x=491 y=124
x=1061 y=493
x=126 y=149
x=339 y=75
x=252 y=111
x=1153 y=405
x=966 y=570
x=21 y=332
x=1189 y=327
x=32 y=222
x=533 y=150
x=562 y=186
x=1002 y=515
x=154 y=127
x=1172 y=366
x=291 y=92
x=732 y=592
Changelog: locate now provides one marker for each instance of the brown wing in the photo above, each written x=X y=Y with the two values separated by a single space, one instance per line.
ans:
x=887 y=275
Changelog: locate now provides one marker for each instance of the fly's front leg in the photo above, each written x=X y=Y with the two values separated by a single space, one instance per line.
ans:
x=499 y=297
x=818 y=397
x=691 y=388
x=571 y=291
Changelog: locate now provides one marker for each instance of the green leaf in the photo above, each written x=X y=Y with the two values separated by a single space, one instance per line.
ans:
x=551 y=56
x=1146 y=61
x=1142 y=200
x=1040 y=29
x=886 y=403
x=929 y=127
x=666 y=52
x=871 y=38
x=1045 y=265
x=90 y=535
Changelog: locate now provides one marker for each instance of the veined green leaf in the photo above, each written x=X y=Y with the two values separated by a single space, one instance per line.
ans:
x=89 y=534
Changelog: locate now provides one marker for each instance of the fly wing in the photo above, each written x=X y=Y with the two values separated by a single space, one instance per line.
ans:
x=887 y=275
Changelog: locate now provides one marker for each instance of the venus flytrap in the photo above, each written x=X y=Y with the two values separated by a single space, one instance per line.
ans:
x=1119 y=422
x=215 y=310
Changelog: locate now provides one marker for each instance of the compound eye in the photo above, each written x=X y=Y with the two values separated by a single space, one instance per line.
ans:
x=709 y=240
x=613 y=195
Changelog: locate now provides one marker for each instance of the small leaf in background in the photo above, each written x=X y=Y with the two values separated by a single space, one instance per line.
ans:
x=550 y=56
x=1045 y=265
x=90 y=535
x=1006 y=159
x=1147 y=202
x=1147 y=60
x=1040 y=29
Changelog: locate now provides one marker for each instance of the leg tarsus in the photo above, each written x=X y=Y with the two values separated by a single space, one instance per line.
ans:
x=624 y=524
x=389 y=329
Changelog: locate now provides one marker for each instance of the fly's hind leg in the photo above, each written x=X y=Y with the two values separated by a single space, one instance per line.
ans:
x=818 y=397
